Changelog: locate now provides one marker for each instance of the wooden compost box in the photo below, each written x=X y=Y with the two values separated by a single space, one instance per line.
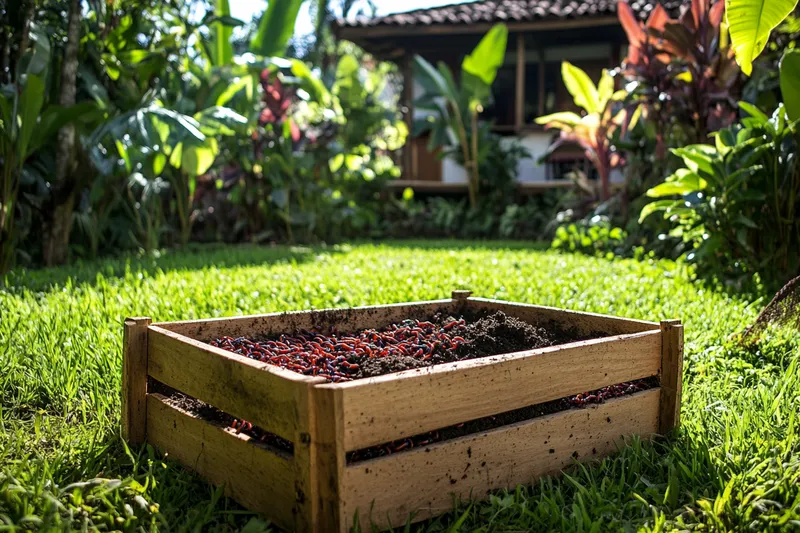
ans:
x=313 y=488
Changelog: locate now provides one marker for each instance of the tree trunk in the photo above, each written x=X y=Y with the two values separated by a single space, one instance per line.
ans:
x=56 y=234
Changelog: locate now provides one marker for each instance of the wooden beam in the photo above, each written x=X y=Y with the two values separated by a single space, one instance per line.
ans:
x=370 y=32
x=669 y=416
x=134 y=379
x=407 y=102
x=520 y=91
x=542 y=71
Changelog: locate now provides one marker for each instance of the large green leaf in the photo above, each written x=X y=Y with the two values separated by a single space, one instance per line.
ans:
x=684 y=181
x=36 y=59
x=564 y=117
x=750 y=23
x=232 y=89
x=54 y=117
x=276 y=28
x=581 y=88
x=479 y=69
x=220 y=121
x=222 y=47
x=431 y=79
x=697 y=157
x=30 y=105
x=659 y=205
x=311 y=83
x=790 y=83
x=196 y=160
x=605 y=89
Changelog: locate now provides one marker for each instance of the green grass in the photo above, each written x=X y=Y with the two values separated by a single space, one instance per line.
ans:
x=735 y=464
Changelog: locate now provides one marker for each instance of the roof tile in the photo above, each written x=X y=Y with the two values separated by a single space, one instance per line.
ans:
x=514 y=10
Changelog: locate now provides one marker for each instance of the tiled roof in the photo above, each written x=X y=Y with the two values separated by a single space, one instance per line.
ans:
x=509 y=11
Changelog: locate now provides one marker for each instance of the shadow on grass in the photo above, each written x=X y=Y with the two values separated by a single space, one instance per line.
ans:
x=191 y=259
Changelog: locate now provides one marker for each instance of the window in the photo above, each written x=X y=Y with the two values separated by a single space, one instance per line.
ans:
x=501 y=109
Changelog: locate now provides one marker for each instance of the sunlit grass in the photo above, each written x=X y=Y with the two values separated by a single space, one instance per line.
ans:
x=735 y=465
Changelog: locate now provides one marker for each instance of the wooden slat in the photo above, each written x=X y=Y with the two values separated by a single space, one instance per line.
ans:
x=671 y=375
x=393 y=406
x=134 y=379
x=386 y=491
x=519 y=102
x=542 y=76
x=251 y=474
x=327 y=457
x=349 y=319
x=257 y=392
x=580 y=322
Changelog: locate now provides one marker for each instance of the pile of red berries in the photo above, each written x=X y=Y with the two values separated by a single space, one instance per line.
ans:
x=337 y=357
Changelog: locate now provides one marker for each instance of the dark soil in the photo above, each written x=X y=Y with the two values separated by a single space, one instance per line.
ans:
x=221 y=418
x=406 y=345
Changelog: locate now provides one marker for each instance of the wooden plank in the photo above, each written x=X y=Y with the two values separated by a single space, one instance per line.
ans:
x=519 y=106
x=345 y=319
x=388 y=490
x=407 y=103
x=134 y=379
x=577 y=321
x=542 y=74
x=671 y=375
x=302 y=465
x=257 y=392
x=253 y=475
x=327 y=457
x=403 y=404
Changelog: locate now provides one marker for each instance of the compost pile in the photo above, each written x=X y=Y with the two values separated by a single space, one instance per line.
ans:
x=409 y=344
x=406 y=345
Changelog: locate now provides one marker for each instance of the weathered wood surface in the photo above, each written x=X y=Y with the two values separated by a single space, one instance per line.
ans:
x=580 y=322
x=257 y=392
x=387 y=490
x=134 y=379
x=347 y=319
x=327 y=458
x=256 y=477
x=671 y=375
x=385 y=408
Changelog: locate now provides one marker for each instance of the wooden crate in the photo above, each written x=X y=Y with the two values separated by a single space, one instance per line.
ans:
x=314 y=489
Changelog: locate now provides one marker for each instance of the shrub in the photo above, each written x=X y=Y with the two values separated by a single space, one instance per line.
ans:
x=738 y=200
x=593 y=236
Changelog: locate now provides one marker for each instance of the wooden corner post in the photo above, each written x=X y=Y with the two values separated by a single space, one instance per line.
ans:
x=669 y=411
x=319 y=463
x=134 y=379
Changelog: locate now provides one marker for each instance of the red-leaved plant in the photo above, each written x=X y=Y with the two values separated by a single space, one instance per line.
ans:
x=684 y=72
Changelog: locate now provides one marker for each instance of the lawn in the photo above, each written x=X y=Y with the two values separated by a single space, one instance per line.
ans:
x=734 y=465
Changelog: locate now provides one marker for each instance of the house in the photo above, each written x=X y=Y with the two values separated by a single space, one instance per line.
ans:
x=542 y=34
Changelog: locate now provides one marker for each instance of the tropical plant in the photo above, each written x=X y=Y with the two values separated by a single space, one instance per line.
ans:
x=750 y=23
x=593 y=236
x=738 y=201
x=27 y=122
x=681 y=71
x=594 y=129
x=453 y=109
